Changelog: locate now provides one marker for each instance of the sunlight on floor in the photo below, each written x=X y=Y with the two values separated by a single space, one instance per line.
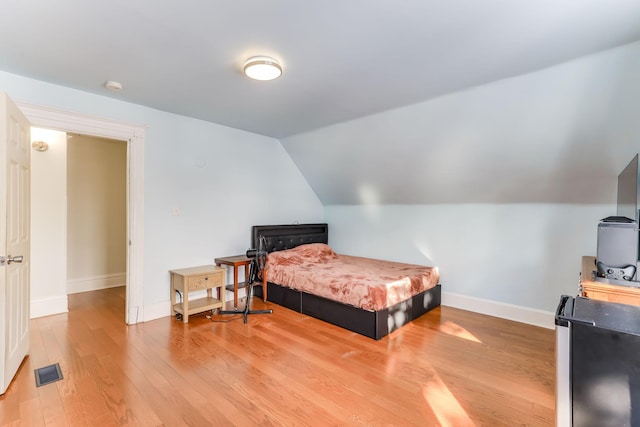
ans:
x=444 y=404
x=391 y=366
x=456 y=330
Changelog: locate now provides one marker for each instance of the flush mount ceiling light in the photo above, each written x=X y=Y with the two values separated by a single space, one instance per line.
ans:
x=262 y=68
x=113 y=85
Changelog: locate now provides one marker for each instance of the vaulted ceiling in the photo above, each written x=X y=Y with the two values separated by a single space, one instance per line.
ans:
x=342 y=59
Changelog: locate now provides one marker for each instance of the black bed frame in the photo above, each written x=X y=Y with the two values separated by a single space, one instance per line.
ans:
x=373 y=324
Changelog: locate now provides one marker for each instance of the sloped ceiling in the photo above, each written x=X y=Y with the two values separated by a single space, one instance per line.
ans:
x=412 y=101
x=559 y=135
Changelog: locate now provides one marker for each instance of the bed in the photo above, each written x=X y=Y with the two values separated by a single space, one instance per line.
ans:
x=409 y=291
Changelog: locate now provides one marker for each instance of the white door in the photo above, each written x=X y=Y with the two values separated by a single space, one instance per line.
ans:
x=15 y=151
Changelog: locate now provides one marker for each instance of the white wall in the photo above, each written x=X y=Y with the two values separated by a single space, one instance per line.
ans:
x=223 y=181
x=48 y=219
x=524 y=255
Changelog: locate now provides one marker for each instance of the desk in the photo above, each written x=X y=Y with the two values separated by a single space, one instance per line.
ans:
x=236 y=262
x=186 y=280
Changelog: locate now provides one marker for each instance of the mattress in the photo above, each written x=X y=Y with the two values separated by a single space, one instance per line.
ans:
x=366 y=283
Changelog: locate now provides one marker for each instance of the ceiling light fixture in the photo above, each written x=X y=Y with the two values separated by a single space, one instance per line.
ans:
x=262 y=68
x=40 y=145
x=113 y=85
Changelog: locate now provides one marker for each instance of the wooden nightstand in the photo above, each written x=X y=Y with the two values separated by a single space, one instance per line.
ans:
x=191 y=279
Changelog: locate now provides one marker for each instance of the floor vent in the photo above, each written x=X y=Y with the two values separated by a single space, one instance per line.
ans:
x=48 y=374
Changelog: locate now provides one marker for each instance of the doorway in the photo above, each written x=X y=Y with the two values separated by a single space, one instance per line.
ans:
x=50 y=118
x=96 y=213
x=78 y=219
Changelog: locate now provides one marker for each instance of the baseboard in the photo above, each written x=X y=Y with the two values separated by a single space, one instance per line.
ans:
x=531 y=316
x=163 y=309
x=545 y=319
x=156 y=311
x=49 y=306
x=96 y=283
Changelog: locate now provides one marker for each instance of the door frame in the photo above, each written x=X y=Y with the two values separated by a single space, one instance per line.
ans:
x=67 y=121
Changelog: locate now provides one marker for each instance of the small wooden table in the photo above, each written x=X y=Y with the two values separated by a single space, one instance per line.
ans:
x=236 y=262
x=203 y=277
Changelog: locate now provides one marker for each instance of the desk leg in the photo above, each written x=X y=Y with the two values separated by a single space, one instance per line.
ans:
x=264 y=286
x=235 y=286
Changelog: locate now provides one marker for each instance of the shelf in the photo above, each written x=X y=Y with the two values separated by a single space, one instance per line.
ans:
x=612 y=293
x=242 y=285
x=199 y=305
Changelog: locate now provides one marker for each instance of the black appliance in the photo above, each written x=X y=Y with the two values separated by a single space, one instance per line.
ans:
x=618 y=257
x=617 y=251
x=597 y=363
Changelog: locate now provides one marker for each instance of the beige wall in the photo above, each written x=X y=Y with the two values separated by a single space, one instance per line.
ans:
x=96 y=213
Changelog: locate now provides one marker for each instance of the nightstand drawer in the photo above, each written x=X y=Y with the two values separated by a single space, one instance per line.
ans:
x=206 y=281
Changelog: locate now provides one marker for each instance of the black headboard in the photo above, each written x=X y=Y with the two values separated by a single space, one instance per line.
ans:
x=281 y=237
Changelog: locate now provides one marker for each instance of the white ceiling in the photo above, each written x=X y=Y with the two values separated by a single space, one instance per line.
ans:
x=342 y=59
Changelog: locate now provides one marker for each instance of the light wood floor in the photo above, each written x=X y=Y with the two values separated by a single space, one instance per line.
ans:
x=449 y=368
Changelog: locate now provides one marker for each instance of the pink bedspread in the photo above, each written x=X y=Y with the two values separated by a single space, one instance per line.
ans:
x=361 y=282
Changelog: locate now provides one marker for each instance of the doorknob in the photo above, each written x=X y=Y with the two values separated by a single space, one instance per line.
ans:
x=9 y=259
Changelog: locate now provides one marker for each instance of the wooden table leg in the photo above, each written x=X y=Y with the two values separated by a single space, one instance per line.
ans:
x=264 y=286
x=221 y=291
x=173 y=294
x=185 y=305
x=235 y=287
